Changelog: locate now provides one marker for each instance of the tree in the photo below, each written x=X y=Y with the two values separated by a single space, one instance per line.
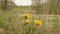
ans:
x=36 y=5
x=54 y=6
x=4 y=4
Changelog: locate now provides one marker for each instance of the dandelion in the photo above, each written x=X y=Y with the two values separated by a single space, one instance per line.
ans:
x=26 y=22
x=38 y=22
x=26 y=15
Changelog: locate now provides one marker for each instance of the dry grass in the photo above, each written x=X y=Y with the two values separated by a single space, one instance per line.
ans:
x=11 y=22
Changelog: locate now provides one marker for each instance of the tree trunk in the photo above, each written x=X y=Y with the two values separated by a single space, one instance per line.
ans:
x=4 y=4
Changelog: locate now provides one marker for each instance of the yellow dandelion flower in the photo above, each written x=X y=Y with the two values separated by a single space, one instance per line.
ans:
x=27 y=22
x=38 y=22
x=26 y=15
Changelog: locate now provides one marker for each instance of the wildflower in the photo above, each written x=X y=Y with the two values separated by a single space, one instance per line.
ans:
x=26 y=15
x=38 y=22
x=26 y=22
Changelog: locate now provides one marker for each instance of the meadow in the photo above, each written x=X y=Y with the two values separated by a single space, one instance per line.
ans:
x=12 y=22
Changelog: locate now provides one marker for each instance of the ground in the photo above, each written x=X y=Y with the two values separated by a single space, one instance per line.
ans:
x=11 y=22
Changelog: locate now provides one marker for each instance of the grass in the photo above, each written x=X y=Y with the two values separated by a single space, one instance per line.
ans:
x=12 y=22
